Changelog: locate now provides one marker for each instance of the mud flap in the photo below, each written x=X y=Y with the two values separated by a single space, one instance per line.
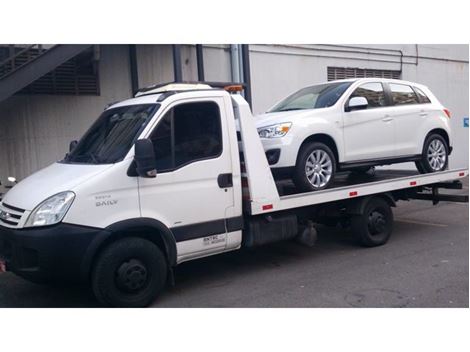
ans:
x=3 y=266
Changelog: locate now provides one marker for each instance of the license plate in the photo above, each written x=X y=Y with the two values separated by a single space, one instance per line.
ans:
x=3 y=266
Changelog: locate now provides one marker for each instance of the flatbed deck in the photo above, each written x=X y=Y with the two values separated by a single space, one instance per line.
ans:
x=346 y=179
x=347 y=185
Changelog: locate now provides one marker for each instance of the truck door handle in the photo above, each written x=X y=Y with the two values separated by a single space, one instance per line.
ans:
x=387 y=118
x=225 y=180
x=423 y=114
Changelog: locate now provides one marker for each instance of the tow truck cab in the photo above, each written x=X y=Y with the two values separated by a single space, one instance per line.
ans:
x=55 y=221
x=163 y=178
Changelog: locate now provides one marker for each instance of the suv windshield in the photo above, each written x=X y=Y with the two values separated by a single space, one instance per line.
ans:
x=112 y=135
x=314 y=97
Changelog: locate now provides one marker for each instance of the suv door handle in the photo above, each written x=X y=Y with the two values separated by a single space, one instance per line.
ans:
x=423 y=114
x=387 y=118
x=225 y=180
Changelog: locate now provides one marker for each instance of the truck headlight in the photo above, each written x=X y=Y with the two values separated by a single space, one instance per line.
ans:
x=274 y=131
x=51 y=211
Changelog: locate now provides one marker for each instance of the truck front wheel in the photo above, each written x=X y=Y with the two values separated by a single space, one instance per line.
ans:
x=374 y=225
x=129 y=273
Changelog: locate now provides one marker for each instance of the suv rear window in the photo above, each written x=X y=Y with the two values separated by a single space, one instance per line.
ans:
x=422 y=97
x=403 y=94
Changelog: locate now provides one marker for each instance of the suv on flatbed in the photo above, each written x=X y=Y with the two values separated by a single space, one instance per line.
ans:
x=354 y=124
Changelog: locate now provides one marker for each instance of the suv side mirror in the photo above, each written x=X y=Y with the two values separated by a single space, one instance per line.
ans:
x=357 y=103
x=72 y=145
x=144 y=158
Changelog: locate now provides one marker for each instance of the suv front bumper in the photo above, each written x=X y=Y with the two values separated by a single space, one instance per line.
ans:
x=52 y=253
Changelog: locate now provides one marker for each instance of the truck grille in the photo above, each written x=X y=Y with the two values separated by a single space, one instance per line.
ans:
x=9 y=215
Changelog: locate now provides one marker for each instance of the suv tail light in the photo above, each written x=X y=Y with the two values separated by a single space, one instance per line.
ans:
x=447 y=112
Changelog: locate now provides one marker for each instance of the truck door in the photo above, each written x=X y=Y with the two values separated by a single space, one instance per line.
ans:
x=193 y=189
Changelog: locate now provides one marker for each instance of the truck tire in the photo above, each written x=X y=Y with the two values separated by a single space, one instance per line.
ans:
x=435 y=155
x=315 y=168
x=374 y=226
x=129 y=273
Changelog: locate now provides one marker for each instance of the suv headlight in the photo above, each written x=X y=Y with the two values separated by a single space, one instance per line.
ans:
x=51 y=211
x=274 y=131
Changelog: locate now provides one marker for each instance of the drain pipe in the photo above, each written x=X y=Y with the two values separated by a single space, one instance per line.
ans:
x=240 y=63
x=240 y=66
x=246 y=72
x=235 y=62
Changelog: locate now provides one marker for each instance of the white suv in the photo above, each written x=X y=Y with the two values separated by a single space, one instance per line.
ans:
x=354 y=125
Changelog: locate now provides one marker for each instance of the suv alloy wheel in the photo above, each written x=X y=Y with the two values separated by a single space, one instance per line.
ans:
x=315 y=167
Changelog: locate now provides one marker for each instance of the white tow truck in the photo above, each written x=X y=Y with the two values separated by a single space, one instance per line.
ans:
x=174 y=174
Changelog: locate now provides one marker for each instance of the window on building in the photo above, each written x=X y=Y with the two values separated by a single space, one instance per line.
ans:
x=335 y=73
x=373 y=92
x=403 y=94
x=422 y=97
x=187 y=133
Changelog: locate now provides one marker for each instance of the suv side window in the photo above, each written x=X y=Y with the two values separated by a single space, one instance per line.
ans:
x=403 y=94
x=373 y=92
x=423 y=98
x=187 y=133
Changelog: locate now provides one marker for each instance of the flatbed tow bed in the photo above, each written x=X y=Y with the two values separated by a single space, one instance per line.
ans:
x=348 y=185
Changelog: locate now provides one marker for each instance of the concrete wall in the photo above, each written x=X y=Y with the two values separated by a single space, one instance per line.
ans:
x=36 y=130
x=155 y=63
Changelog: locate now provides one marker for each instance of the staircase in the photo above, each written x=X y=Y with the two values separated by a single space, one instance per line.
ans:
x=21 y=65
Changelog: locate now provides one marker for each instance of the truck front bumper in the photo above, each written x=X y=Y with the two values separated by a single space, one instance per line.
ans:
x=60 y=252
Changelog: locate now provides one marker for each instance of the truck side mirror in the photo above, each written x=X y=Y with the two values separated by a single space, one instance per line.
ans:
x=357 y=103
x=144 y=158
x=72 y=145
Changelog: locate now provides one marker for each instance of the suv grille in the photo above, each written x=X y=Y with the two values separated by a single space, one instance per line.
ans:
x=9 y=215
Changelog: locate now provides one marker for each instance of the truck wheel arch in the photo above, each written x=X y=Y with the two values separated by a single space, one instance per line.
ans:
x=150 y=229
x=356 y=206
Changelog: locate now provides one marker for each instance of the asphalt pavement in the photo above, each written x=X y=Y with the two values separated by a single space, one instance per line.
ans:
x=425 y=264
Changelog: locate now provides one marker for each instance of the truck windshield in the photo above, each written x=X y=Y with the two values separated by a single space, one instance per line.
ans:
x=314 y=97
x=112 y=135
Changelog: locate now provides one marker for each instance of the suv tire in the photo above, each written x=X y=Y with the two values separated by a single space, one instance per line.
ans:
x=315 y=168
x=435 y=155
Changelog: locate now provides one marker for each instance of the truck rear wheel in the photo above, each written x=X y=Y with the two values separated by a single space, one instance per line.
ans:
x=374 y=226
x=129 y=273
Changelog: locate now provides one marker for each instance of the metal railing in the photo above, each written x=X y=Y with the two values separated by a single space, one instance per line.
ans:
x=18 y=56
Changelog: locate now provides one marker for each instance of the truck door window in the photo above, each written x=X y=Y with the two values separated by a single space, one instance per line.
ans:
x=373 y=92
x=187 y=133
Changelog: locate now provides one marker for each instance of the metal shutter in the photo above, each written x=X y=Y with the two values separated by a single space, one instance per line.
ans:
x=78 y=76
x=335 y=73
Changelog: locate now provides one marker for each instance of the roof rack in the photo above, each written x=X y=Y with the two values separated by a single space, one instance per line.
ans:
x=185 y=86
